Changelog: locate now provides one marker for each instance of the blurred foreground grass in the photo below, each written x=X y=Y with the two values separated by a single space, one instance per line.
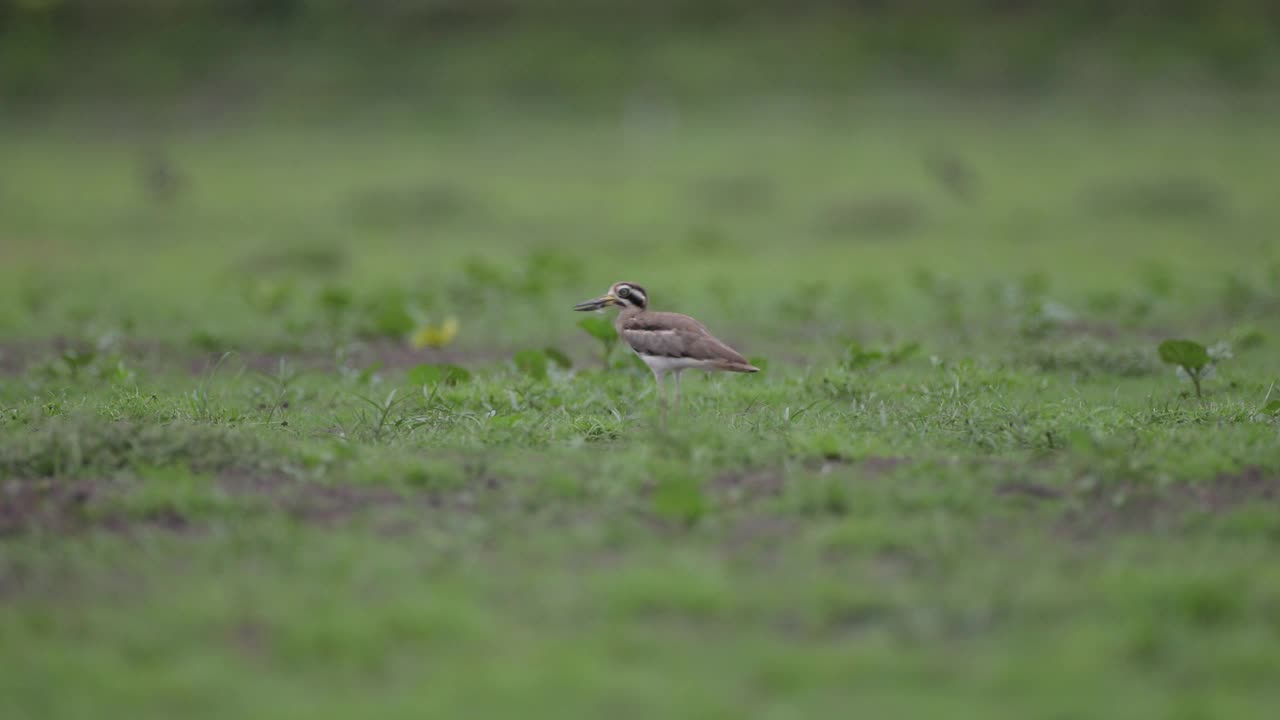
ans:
x=965 y=484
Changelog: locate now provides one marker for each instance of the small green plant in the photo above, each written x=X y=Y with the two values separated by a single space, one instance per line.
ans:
x=1270 y=408
x=533 y=363
x=1190 y=357
x=429 y=374
x=380 y=420
x=558 y=358
x=277 y=389
x=601 y=329
x=858 y=356
x=77 y=360
x=537 y=363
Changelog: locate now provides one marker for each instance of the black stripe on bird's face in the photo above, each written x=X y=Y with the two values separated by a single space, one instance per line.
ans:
x=630 y=295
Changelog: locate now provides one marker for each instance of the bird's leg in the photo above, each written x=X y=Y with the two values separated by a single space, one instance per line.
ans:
x=677 y=375
x=662 y=400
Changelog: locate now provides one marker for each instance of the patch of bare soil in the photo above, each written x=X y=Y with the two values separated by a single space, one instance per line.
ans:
x=52 y=504
x=1139 y=507
x=62 y=506
x=382 y=354
x=17 y=357
x=66 y=506
x=319 y=502
x=746 y=486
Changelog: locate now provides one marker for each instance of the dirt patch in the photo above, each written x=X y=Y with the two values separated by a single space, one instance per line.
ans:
x=1135 y=507
x=746 y=486
x=63 y=506
x=320 y=502
x=1140 y=507
x=64 y=355
x=51 y=504
x=382 y=354
x=66 y=506
x=1037 y=491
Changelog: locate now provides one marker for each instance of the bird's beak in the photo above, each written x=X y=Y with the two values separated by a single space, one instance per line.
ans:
x=603 y=301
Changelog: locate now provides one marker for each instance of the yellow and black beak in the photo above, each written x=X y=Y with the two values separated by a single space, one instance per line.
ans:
x=603 y=301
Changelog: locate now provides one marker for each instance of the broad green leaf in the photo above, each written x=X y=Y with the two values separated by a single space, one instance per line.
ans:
x=561 y=360
x=76 y=359
x=600 y=328
x=1186 y=353
x=903 y=352
x=858 y=356
x=428 y=374
x=532 y=363
x=366 y=375
x=1272 y=408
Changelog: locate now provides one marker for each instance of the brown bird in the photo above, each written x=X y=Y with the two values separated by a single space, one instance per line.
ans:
x=666 y=342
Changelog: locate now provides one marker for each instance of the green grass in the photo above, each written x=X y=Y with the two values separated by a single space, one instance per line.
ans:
x=964 y=484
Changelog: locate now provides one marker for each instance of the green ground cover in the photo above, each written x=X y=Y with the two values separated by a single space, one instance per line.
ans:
x=964 y=485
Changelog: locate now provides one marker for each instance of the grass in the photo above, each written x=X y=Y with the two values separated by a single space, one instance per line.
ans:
x=964 y=483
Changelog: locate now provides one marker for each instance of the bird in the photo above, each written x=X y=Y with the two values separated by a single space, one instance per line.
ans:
x=667 y=342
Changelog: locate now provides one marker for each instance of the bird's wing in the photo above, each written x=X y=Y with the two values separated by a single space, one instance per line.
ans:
x=677 y=336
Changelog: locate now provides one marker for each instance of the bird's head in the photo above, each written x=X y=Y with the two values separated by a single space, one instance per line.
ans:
x=622 y=294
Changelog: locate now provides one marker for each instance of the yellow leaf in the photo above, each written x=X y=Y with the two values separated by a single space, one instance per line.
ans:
x=435 y=336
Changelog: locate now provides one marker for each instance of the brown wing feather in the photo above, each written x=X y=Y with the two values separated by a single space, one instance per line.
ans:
x=664 y=321
x=680 y=336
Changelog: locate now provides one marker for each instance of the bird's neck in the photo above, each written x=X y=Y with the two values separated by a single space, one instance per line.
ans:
x=626 y=314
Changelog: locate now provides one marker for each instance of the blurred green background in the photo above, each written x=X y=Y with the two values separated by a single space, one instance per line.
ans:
x=362 y=147
x=243 y=243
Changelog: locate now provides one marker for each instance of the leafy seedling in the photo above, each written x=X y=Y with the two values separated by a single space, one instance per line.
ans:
x=533 y=363
x=364 y=376
x=1270 y=408
x=1191 y=357
x=857 y=356
x=77 y=360
x=558 y=358
x=380 y=421
x=601 y=329
x=429 y=374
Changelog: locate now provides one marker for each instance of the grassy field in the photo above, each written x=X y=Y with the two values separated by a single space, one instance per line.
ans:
x=231 y=485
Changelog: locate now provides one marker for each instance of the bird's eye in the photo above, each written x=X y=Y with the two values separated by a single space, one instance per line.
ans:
x=624 y=291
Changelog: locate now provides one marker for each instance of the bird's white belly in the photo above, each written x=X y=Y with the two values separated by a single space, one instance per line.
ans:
x=662 y=365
